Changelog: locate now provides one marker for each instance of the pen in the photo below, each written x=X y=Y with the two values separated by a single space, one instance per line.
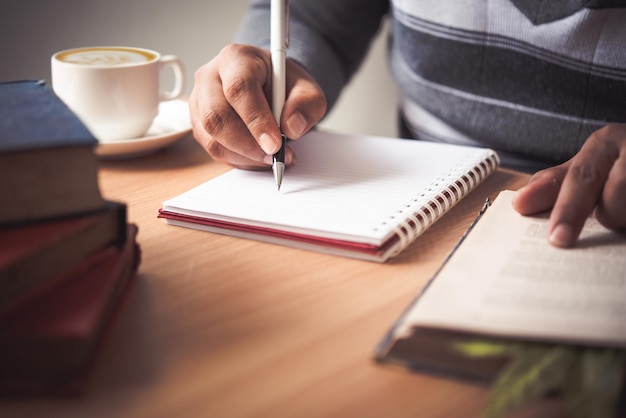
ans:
x=278 y=45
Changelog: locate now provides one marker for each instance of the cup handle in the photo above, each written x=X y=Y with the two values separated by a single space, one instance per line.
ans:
x=179 y=77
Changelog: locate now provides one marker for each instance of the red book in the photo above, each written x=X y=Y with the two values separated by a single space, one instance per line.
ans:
x=33 y=256
x=47 y=342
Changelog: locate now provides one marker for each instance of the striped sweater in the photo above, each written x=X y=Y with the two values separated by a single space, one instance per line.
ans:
x=529 y=78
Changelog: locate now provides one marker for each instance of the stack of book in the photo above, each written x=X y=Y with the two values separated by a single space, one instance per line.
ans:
x=66 y=253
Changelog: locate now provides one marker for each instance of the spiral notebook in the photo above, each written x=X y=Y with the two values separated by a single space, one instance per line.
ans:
x=350 y=195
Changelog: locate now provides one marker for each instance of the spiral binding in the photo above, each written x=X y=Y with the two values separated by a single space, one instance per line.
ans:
x=422 y=216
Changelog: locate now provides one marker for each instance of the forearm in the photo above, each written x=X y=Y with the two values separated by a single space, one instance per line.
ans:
x=329 y=38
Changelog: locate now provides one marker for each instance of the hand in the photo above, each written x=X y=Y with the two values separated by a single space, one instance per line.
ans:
x=595 y=178
x=230 y=111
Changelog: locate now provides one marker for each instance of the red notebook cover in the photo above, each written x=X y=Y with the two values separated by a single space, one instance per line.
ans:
x=47 y=342
x=358 y=247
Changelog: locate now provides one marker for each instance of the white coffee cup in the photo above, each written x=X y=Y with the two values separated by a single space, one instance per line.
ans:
x=114 y=90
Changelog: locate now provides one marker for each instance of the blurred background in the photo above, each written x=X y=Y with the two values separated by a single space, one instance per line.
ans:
x=195 y=30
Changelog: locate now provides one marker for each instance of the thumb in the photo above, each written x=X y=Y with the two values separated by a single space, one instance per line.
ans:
x=305 y=104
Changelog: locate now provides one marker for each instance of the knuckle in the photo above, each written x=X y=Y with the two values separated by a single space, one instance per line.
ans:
x=230 y=49
x=320 y=104
x=606 y=141
x=607 y=131
x=311 y=103
x=202 y=73
x=255 y=121
x=585 y=173
x=551 y=177
x=235 y=49
x=214 y=122
x=230 y=52
x=314 y=99
x=237 y=88
x=214 y=149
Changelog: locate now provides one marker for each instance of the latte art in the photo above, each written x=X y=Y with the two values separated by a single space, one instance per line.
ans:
x=106 y=56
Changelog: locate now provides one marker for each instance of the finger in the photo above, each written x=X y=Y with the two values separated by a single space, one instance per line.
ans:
x=581 y=190
x=218 y=128
x=305 y=104
x=541 y=192
x=245 y=84
x=611 y=211
x=219 y=152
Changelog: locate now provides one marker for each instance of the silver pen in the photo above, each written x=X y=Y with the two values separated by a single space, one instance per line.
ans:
x=279 y=38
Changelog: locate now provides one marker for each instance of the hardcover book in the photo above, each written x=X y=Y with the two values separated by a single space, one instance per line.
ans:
x=33 y=255
x=48 y=167
x=48 y=342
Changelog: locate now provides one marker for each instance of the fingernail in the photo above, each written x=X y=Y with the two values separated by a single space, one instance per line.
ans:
x=562 y=236
x=296 y=124
x=268 y=144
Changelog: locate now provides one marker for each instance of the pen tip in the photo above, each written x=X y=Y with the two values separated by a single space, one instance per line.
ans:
x=279 y=169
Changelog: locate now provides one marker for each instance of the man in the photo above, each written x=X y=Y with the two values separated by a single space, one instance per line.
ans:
x=543 y=83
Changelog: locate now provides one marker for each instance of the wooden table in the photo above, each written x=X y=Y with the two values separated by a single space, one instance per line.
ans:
x=216 y=326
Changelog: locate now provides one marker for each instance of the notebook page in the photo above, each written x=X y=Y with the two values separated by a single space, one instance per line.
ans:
x=342 y=186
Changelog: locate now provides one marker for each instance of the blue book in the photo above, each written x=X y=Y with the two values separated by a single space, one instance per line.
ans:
x=48 y=167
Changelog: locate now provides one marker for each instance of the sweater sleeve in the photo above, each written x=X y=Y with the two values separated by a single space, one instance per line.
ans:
x=330 y=38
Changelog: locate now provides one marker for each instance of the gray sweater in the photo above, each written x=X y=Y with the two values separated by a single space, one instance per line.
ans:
x=529 y=78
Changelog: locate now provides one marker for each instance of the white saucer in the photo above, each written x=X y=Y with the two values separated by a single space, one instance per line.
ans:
x=171 y=124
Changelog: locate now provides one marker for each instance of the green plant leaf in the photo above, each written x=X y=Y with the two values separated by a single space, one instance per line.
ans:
x=534 y=371
x=588 y=379
x=481 y=348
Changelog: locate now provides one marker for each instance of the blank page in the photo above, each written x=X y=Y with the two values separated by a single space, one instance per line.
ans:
x=342 y=186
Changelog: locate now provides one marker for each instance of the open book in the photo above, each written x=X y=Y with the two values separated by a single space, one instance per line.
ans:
x=359 y=196
x=505 y=281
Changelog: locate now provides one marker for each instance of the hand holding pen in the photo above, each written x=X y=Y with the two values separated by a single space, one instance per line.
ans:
x=231 y=107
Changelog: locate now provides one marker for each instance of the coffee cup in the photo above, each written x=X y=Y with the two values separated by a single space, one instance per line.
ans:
x=115 y=90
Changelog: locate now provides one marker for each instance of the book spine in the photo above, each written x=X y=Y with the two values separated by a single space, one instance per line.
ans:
x=421 y=216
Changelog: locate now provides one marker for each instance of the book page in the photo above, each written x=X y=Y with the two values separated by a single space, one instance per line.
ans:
x=505 y=279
